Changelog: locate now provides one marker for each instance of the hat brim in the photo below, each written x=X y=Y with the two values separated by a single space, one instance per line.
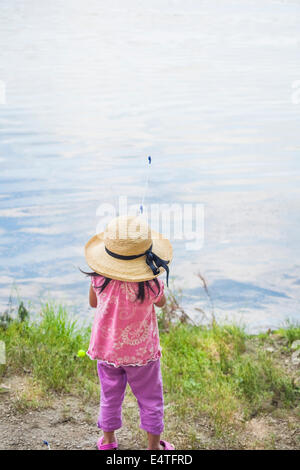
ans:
x=135 y=270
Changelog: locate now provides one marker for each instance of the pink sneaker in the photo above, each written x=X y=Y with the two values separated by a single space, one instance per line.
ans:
x=166 y=445
x=111 y=446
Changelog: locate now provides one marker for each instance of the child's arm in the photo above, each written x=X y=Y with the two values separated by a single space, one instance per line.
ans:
x=161 y=302
x=93 y=297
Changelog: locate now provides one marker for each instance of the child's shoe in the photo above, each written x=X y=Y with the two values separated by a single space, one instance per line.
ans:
x=110 y=446
x=166 y=445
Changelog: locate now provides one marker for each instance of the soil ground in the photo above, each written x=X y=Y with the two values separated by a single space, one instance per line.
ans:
x=68 y=423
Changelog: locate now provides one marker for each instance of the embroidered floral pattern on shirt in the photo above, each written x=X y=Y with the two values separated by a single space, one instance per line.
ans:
x=133 y=336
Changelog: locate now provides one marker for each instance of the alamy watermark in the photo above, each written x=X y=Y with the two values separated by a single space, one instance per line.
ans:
x=2 y=353
x=295 y=98
x=183 y=222
x=2 y=92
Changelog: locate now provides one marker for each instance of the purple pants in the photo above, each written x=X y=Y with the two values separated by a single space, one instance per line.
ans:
x=145 y=383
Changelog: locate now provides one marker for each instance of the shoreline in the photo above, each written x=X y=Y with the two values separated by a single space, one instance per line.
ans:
x=223 y=388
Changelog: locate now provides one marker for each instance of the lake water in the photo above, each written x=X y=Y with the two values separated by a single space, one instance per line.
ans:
x=209 y=89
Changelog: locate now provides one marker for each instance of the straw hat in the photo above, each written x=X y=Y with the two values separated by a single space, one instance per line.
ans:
x=129 y=250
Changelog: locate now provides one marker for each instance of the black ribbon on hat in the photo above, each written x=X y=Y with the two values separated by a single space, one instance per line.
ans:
x=154 y=262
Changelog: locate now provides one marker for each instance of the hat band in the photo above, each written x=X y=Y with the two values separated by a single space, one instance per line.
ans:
x=154 y=262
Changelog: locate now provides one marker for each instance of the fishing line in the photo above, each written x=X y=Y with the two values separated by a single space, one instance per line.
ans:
x=146 y=186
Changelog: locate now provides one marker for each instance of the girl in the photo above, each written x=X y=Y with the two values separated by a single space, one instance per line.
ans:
x=126 y=259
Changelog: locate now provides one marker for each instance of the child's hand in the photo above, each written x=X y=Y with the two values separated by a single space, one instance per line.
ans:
x=161 y=302
x=93 y=297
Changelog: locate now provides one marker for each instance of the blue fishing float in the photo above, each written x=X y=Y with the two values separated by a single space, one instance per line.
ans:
x=47 y=444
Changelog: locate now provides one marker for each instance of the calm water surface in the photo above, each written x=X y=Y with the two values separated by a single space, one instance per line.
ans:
x=208 y=88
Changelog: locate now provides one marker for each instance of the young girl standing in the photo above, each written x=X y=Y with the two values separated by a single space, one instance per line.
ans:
x=126 y=260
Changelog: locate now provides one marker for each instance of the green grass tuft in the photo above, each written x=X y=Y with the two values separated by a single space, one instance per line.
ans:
x=48 y=349
x=291 y=331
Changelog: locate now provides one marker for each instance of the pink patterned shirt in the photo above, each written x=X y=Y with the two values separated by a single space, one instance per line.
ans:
x=125 y=331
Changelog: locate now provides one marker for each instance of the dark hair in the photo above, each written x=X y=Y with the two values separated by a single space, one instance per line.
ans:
x=142 y=286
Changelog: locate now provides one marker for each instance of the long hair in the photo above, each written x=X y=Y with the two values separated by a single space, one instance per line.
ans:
x=143 y=286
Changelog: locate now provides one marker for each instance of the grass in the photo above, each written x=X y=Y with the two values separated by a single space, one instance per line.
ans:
x=48 y=350
x=31 y=396
x=208 y=372
x=291 y=332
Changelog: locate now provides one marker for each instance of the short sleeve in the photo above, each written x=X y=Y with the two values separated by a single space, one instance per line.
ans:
x=161 y=291
x=96 y=281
